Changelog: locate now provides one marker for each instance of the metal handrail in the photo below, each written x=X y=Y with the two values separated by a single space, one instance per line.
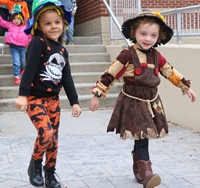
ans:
x=172 y=11
x=116 y=22
x=184 y=21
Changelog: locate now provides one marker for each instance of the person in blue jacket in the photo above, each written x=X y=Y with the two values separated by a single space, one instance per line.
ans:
x=70 y=5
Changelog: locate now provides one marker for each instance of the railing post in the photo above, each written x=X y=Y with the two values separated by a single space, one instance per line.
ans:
x=178 y=28
x=116 y=21
x=139 y=5
x=2 y=48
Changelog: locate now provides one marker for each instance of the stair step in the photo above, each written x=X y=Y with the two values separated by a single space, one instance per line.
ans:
x=6 y=69
x=76 y=48
x=5 y=59
x=89 y=57
x=85 y=49
x=7 y=80
x=75 y=67
x=87 y=40
x=73 y=57
x=86 y=77
x=77 y=40
x=7 y=92
x=8 y=105
x=89 y=66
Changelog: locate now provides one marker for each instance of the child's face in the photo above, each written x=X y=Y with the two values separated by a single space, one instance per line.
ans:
x=16 y=20
x=147 y=35
x=51 y=24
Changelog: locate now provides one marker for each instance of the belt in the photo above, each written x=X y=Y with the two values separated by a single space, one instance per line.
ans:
x=144 y=100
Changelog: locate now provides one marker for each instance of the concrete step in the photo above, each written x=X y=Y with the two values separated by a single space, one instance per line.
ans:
x=78 y=40
x=5 y=59
x=6 y=69
x=8 y=105
x=82 y=77
x=73 y=57
x=87 y=40
x=89 y=66
x=99 y=48
x=89 y=57
x=75 y=67
x=7 y=92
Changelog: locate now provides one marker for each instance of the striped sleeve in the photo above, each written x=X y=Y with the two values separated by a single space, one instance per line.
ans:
x=170 y=73
x=114 y=72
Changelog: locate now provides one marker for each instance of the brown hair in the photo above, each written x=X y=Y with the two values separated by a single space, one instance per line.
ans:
x=12 y=17
x=144 y=21
x=37 y=31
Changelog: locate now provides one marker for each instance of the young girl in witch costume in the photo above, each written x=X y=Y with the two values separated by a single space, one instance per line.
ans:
x=46 y=72
x=138 y=113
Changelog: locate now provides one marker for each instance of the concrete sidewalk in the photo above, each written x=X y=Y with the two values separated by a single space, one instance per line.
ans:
x=89 y=157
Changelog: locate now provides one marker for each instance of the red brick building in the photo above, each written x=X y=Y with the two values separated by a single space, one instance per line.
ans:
x=92 y=17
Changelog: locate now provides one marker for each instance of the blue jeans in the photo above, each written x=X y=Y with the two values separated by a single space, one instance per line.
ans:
x=18 y=54
x=69 y=34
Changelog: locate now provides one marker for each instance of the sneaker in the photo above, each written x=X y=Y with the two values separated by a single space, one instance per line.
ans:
x=16 y=80
x=69 y=42
x=66 y=42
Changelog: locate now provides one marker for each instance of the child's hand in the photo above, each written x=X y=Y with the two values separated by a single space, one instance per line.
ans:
x=76 y=110
x=21 y=103
x=94 y=103
x=191 y=95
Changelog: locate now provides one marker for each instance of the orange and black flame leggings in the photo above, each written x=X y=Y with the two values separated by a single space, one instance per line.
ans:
x=45 y=115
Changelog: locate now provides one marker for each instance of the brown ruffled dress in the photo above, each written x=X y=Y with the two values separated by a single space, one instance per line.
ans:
x=139 y=112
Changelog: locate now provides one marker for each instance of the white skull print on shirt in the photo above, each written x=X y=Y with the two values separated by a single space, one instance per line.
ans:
x=54 y=67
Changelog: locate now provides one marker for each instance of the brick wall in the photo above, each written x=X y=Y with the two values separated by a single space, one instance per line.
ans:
x=89 y=10
x=92 y=9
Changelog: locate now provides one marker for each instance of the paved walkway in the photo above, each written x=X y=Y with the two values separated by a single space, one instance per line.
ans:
x=91 y=158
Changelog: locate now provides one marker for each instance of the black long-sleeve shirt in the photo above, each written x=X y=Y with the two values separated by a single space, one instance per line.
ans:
x=47 y=70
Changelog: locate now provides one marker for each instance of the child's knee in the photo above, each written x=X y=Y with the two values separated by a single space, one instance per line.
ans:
x=48 y=135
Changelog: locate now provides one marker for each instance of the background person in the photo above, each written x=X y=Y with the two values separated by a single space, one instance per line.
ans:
x=17 y=40
x=70 y=5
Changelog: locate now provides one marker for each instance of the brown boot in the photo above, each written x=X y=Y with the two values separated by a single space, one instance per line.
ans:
x=150 y=180
x=135 y=168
